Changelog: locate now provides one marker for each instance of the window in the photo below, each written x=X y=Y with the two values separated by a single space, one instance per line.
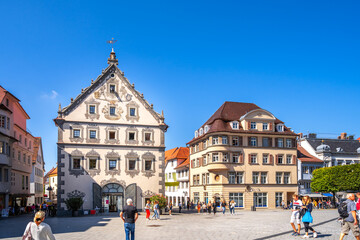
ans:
x=253 y=158
x=20 y=138
x=23 y=181
x=24 y=158
x=132 y=164
x=132 y=112
x=225 y=157
x=278 y=178
x=255 y=177
x=280 y=127
x=289 y=143
x=19 y=156
x=204 y=144
x=305 y=169
x=206 y=129
x=25 y=142
x=265 y=126
x=253 y=125
x=196 y=133
x=215 y=157
x=112 y=111
x=203 y=179
x=263 y=178
x=280 y=142
x=148 y=164
x=307 y=185
x=224 y=140
x=92 y=109
x=215 y=140
x=92 y=134
x=286 y=178
x=265 y=142
x=206 y=197
x=280 y=159
x=238 y=199
x=235 y=158
x=112 y=88
x=92 y=163
x=201 y=131
x=76 y=163
x=27 y=182
x=265 y=158
x=260 y=199
x=6 y=175
x=147 y=136
x=2 y=121
x=1 y=174
x=204 y=160
x=235 y=125
x=288 y=159
x=253 y=142
x=197 y=162
x=112 y=164
x=235 y=141
x=8 y=123
x=207 y=178
x=2 y=148
x=7 y=102
x=278 y=199
x=112 y=135
x=196 y=197
x=28 y=159
x=231 y=178
x=239 y=177
x=131 y=136
x=76 y=133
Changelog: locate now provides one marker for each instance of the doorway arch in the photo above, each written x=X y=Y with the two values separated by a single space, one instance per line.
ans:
x=113 y=197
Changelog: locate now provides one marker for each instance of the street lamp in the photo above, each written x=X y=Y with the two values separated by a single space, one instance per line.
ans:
x=49 y=189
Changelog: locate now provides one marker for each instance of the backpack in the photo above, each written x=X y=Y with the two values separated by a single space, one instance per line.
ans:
x=343 y=211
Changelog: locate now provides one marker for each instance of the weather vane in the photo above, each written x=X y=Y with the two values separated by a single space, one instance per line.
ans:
x=112 y=42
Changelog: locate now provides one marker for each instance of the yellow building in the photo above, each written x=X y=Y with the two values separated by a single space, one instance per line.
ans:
x=243 y=153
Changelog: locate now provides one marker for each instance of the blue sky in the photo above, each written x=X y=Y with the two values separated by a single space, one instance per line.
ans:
x=297 y=59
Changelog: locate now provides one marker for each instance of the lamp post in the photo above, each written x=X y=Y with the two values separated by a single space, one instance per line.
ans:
x=49 y=189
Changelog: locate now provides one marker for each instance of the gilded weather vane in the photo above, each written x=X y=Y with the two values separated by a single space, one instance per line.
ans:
x=112 y=42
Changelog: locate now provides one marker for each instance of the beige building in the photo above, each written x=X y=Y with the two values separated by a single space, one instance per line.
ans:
x=37 y=174
x=243 y=153
x=111 y=145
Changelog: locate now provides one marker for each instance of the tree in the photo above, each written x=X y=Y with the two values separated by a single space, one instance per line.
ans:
x=336 y=179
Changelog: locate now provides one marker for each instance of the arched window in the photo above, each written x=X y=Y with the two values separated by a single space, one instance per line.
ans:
x=201 y=131
x=196 y=134
x=113 y=188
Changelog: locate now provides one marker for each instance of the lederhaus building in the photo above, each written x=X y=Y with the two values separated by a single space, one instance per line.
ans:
x=243 y=153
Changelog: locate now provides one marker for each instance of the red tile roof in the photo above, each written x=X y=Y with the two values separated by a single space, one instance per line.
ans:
x=305 y=156
x=185 y=163
x=177 y=153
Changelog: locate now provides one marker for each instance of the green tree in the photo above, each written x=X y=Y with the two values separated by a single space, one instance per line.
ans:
x=336 y=179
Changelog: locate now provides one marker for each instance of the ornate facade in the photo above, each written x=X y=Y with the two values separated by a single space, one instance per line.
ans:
x=111 y=145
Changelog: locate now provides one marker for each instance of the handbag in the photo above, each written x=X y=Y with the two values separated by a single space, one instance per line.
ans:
x=302 y=212
x=307 y=217
x=27 y=235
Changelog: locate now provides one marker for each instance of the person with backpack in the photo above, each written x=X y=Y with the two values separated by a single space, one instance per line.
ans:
x=347 y=211
x=307 y=208
x=295 y=215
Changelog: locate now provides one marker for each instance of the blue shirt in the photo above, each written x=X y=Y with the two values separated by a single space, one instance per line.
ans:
x=351 y=206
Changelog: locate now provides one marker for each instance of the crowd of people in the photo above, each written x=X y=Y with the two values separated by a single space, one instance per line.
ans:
x=316 y=202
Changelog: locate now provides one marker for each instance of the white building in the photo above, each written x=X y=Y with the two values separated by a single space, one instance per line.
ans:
x=111 y=145
x=177 y=175
x=37 y=174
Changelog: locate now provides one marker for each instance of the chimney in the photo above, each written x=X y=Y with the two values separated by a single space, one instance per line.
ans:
x=343 y=136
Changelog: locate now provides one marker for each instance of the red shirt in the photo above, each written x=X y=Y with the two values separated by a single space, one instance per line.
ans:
x=358 y=204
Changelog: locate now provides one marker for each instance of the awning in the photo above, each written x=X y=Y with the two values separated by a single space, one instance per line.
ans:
x=313 y=195
x=328 y=195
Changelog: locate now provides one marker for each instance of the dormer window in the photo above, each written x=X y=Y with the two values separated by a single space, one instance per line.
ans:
x=280 y=127
x=201 y=131
x=196 y=134
x=265 y=126
x=112 y=88
x=253 y=125
x=92 y=109
x=112 y=111
x=206 y=129
x=132 y=112
x=235 y=125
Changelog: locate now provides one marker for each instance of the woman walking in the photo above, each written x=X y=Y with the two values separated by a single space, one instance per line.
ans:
x=204 y=208
x=170 y=207
x=209 y=207
x=223 y=206
x=198 y=207
x=38 y=230
x=307 y=218
x=214 y=207
x=147 y=209
x=232 y=207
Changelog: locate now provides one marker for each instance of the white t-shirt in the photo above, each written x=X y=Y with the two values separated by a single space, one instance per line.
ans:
x=41 y=232
x=297 y=204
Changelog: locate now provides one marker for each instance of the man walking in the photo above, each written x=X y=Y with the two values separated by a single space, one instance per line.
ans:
x=295 y=215
x=131 y=215
x=350 y=222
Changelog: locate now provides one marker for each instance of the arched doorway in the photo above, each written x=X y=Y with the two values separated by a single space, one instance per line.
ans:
x=112 y=197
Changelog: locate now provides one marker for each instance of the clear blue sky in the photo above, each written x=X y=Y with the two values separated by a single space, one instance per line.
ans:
x=297 y=59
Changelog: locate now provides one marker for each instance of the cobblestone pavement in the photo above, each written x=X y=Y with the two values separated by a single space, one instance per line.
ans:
x=264 y=224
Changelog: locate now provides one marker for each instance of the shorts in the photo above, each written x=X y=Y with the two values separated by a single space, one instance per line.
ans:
x=347 y=226
x=295 y=216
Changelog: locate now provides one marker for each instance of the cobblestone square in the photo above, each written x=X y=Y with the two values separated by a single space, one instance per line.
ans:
x=264 y=224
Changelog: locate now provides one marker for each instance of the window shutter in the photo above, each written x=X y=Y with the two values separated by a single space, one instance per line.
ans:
x=270 y=142
x=192 y=163
x=294 y=159
x=201 y=162
x=276 y=142
x=249 y=141
x=271 y=159
x=276 y=159
x=270 y=126
x=241 y=158
x=240 y=140
x=257 y=141
x=294 y=143
x=249 y=125
x=249 y=158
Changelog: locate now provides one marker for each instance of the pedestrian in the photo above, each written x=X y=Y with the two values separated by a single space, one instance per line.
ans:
x=307 y=218
x=315 y=203
x=347 y=211
x=170 y=206
x=295 y=215
x=147 y=209
x=214 y=207
x=232 y=207
x=179 y=207
x=319 y=204
x=38 y=230
x=223 y=206
x=283 y=204
x=209 y=207
x=204 y=208
x=198 y=207
x=188 y=206
x=155 y=215
x=33 y=208
x=129 y=215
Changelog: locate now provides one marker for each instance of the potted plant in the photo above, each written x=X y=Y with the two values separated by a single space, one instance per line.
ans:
x=161 y=200
x=74 y=204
